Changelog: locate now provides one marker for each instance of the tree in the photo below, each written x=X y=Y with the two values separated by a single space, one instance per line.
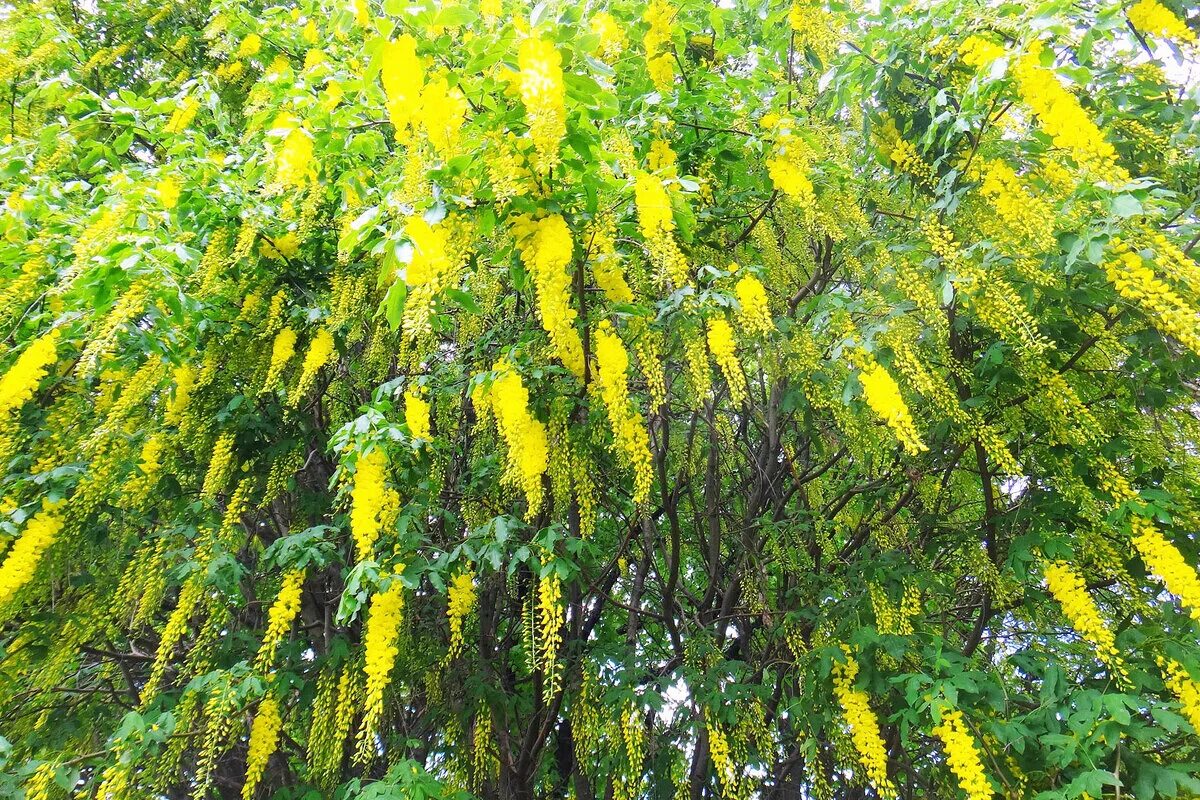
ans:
x=599 y=400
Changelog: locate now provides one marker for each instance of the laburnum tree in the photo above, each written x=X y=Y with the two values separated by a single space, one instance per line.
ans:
x=599 y=400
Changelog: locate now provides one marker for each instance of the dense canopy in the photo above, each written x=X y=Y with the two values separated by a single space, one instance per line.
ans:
x=599 y=400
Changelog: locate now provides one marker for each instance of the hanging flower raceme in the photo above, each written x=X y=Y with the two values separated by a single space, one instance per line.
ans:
x=546 y=250
x=168 y=192
x=1167 y=564
x=416 y=415
x=220 y=467
x=1063 y=118
x=1136 y=281
x=525 y=435
x=541 y=84
x=723 y=345
x=660 y=58
x=264 y=738
x=443 y=111
x=320 y=352
x=22 y=378
x=294 y=165
x=279 y=618
x=403 y=78
x=963 y=756
x=788 y=165
x=754 y=314
x=606 y=262
x=426 y=273
x=551 y=616
x=863 y=725
x=282 y=350
x=23 y=558
x=368 y=501
x=883 y=396
x=611 y=37
x=630 y=439
x=460 y=600
x=1067 y=587
x=380 y=651
x=1152 y=17
x=1187 y=690
x=656 y=221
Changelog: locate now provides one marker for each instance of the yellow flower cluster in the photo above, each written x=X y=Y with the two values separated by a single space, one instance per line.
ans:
x=754 y=314
x=546 y=249
x=1136 y=281
x=963 y=756
x=883 y=396
x=1068 y=589
x=718 y=748
x=443 y=111
x=250 y=46
x=611 y=39
x=1180 y=683
x=402 y=76
x=541 y=85
x=416 y=415
x=813 y=27
x=22 y=378
x=1020 y=213
x=264 y=738
x=380 y=651
x=282 y=350
x=279 y=618
x=320 y=351
x=1167 y=564
x=168 y=192
x=425 y=274
x=863 y=725
x=606 y=263
x=657 y=223
x=525 y=435
x=294 y=162
x=979 y=52
x=25 y=555
x=149 y=469
x=1063 y=118
x=220 y=466
x=630 y=439
x=657 y=41
x=723 y=345
x=460 y=600
x=369 y=500
x=38 y=787
x=1150 y=16
x=788 y=165
x=182 y=116
x=551 y=616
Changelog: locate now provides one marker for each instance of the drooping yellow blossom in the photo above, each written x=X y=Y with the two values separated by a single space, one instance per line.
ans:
x=1180 y=683
x=403 y=78
x=611 y=37
x=657 y=41
x=979 y=52
x=656 y=221
x=722 y=758
x=426 y=273
x=380 y=651
x=185 y=380
x=25 y=555
x=1067 y=587
x=1167 y=564
x=754 y=314
x=279 y=618
x=264 y=738
x=1024 y=216
x=282 y=350
x=523 y=434
x=788 y=166
x=963 y=756
x=490 y=10
x=1136 y=281
x=661 y=69
x=39 y=785
x=368 y=500
x=546 y=250
x=22 y=378
x=883 y=396
x=294 y=161
x=541 y=84
x=863 y=725
x=1150 y=16
x=250 y=46
x=551 y=616
x=220 y=466
x=630 y=439
x=320 y=352
x=182 y=116
x=1063 y=118
x=416 y=415
x=723 y=344
x=460 y=600
x=362 y=13
x=443 y=110
x=606 y=262
x=168 y=192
